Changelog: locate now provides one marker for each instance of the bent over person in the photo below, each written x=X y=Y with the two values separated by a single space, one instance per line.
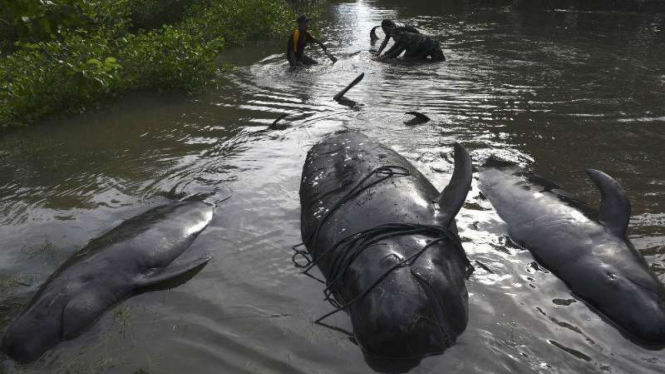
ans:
x=295 y=50
x=411 y=42
x=390 y=28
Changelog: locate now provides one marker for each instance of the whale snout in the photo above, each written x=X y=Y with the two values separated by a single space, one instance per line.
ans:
x=407 y=318
x=30 y=335
x=406 y=336
x=634 y=299
x=21 y=344
x=649 y=324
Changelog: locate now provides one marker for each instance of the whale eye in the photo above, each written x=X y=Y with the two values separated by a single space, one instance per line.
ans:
x=611 y=275
x=392 y=258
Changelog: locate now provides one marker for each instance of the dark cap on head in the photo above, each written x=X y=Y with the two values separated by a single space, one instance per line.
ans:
x=303 y=19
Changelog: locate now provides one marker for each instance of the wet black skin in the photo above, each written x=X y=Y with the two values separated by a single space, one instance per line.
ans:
x=127 y=260
x=418 y=310
x=589 y=252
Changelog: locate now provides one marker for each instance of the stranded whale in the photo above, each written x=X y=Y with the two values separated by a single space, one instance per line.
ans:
x=386 y=241
x=590 y=253
x=128 y=259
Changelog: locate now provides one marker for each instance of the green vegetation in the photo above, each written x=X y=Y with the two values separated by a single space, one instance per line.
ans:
x=65 y=55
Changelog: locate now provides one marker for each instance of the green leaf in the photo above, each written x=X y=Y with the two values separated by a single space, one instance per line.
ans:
x=111 y=63
x=93 y=61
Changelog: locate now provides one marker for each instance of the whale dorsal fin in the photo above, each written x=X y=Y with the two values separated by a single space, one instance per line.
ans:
x=614 y=203
x=453 y=196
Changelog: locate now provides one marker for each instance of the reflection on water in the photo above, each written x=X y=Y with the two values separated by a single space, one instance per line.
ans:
x=557 y=91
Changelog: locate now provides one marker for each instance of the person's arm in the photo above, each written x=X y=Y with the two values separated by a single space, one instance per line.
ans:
x=311 y=38
x=394 y=51
x=383 y=45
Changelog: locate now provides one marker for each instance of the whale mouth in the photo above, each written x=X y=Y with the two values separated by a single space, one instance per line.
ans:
x=437 y=309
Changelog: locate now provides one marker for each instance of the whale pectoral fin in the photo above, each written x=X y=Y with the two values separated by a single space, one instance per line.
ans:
x=157 y=276
x=453 y=196
x=614 y=202
x=82 y=311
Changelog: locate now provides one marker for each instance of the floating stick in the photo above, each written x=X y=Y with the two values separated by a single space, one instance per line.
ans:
x=330 y=56
x=350 y=86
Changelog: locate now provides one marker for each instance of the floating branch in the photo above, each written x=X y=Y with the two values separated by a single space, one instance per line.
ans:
x=339 y=96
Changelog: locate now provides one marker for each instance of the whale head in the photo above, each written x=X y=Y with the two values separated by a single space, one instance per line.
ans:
x=411 y=295
x=621 y=285
x=628 y=292
x=35 y=331
x=416 y=310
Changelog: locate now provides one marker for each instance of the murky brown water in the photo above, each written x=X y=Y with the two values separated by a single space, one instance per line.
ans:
x=557 y=91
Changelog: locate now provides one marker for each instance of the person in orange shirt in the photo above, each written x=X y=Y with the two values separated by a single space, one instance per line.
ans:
x=295 y=52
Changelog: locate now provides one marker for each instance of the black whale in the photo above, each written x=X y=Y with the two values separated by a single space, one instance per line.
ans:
x=590 y=254
x=128 y=259
x=415 y=310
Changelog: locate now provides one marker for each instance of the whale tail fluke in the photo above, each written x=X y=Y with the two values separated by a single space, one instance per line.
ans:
x=453 y=196
x=372 y=34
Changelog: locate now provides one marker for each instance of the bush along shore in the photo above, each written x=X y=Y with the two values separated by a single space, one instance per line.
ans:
x=65 y=55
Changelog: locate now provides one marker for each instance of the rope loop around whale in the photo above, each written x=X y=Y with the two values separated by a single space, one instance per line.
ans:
x=346 y=250
x=353 y=245
x=385 y=172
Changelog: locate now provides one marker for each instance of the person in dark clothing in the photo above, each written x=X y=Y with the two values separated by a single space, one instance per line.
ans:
x=295 y=50
x=389 y=29
x=411 y=42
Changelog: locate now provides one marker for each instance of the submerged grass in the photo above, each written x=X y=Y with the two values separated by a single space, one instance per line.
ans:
x=64 y=56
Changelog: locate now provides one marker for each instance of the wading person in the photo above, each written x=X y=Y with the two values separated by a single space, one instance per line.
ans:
x=389 y=27
x=408 y=40
x=295 y=52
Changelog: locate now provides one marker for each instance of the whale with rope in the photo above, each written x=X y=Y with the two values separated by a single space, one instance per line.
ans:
x=386 y=243
x=134 y=257
x=586 y=249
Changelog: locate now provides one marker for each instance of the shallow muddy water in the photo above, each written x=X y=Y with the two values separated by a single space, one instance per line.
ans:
x=555 y=91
